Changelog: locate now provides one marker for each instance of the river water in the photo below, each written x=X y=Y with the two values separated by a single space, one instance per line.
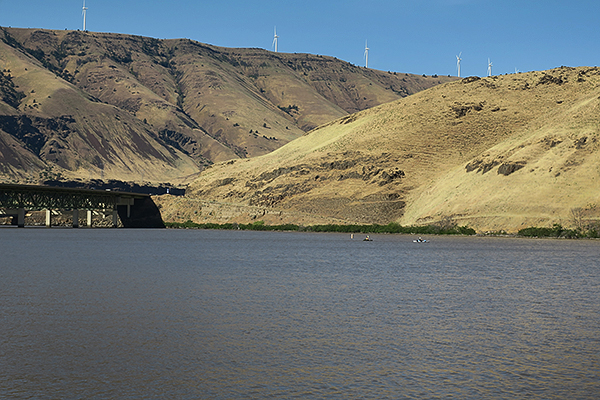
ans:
x=192 y=314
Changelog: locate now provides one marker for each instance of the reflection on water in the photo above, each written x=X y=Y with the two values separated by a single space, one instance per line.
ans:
x=215 y=314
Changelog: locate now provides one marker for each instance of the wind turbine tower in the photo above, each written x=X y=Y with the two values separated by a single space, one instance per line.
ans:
x=458 y=59
x=366 y=55
x=84 y=13
x=489 y=67
x=275 y=40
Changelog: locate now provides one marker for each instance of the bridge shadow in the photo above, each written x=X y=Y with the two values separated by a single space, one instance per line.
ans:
x=143 y=214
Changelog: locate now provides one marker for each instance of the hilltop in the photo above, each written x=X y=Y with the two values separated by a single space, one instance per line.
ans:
x=86 y=105
x=497 y=153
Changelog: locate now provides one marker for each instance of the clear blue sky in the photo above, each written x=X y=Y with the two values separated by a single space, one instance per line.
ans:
x=416 y=36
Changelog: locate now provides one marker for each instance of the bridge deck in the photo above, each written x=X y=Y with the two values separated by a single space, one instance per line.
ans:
x=17 y=198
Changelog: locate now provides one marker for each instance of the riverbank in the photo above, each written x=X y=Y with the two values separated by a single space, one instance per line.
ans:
x=556 y=231
x=374 y=228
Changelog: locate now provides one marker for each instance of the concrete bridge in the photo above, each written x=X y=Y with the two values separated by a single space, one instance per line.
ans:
x=135 y=210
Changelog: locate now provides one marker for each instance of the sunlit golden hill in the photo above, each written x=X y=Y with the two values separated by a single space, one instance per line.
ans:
x=497 y=153
x=101 y=105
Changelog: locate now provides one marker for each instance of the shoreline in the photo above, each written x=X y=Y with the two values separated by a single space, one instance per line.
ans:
x=556 y=232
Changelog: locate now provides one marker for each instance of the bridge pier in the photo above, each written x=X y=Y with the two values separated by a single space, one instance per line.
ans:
x=89 y=218
x=21 y=217
x=115 y=218
x=48 y=218
x=75 y=218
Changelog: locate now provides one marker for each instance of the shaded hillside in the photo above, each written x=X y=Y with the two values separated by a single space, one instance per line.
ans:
x=493 y=153
x=130 y=107
x=58 y=130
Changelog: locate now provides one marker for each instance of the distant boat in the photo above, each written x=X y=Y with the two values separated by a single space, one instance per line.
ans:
x=419 y=240
x=367 y=239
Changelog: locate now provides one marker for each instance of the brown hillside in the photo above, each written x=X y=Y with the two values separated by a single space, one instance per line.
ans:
x=192 y=103
x=493 y=153
x=56 y=128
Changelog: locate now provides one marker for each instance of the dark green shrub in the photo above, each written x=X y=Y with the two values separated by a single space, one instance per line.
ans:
x=375 y=228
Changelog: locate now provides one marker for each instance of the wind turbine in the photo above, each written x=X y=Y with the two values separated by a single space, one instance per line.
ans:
x=366 y=55
x=489 y=67
x=458 y=59
x=84 y=13
x=275 y=40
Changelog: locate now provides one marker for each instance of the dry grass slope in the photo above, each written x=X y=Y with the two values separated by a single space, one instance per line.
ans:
x=497 y=153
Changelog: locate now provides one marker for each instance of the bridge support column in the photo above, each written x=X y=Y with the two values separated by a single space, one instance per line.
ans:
x=89 y=218
x=115 y=218
x=75 y=218
x=48 y=218
x=21 y=217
